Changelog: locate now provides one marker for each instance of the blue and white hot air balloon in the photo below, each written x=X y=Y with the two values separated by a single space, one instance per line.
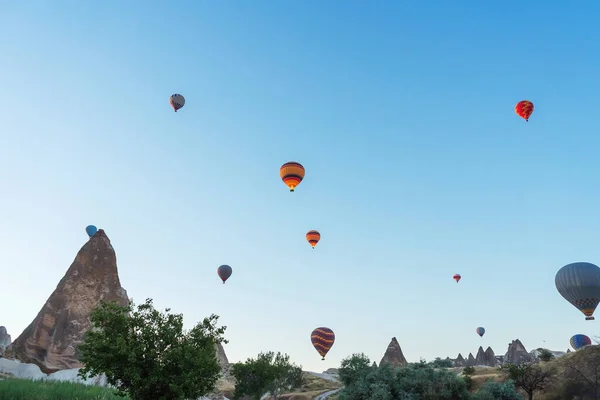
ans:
x=91 y=230
x=579 y=284
x=177 y=101
x=578 y=341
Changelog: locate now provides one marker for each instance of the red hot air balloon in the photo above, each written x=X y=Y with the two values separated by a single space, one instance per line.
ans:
x=224 y=272
x=456 y=277
x=524 y=109
x=322 y=339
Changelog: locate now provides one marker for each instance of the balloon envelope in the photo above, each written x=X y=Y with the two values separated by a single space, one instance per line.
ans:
x=578 y=341
x=579 y=284
x=177 y=101
x=322 y=339
x=480 y=331
x=91 y=230
x=291 y=173
x=224 y=272
x=524 y=108
x=456 y=277
x=313 y=238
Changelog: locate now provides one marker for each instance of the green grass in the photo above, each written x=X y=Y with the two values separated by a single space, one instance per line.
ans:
x=22 y=389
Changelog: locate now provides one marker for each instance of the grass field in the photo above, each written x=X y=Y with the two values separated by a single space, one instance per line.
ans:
x=22 y=389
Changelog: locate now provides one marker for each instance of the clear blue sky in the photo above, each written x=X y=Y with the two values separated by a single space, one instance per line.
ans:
x=402 y=114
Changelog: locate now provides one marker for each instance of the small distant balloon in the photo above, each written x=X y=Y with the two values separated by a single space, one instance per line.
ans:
x=322 y=339
x=91 y=230
x=313 y=238
x=578 y=341
x=456 y=277
x=579 y=284
x=480 y=331
x=291 y=173
x=524 y=109
x=224 y=272
x=177 y=101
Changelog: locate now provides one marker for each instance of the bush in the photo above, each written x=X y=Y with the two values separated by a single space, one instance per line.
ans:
x=545 y=355
x=469 y=370
x=492 y=390
x=268 y=373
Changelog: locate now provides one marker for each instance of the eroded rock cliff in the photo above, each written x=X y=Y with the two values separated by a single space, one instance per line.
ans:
x=50 y=340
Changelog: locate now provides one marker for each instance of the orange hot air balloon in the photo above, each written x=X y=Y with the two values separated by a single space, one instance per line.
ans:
x=291 y=174
x=456 y=277
x=524 y=109
x=313 y=238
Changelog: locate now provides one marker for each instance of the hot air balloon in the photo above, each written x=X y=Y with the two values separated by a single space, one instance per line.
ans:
x=322 y=339
x=91 y=230
x=291 y=174
x=224 y=272
x=313 y=238
x=579 y=284
x=578 y=341
x=177 y=101
x=456 y=277
x=480 y=331
x=524 y=109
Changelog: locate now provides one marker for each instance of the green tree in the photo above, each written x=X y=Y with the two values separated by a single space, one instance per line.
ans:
x=354 y=367
x=414 y=381
x=469 y=370
x=268 y=373
x=528 y=376
x=492 y=390
x=147 y=355
x=439 y=363
x=545 y=355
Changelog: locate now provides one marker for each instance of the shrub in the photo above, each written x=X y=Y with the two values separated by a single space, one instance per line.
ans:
x=492 y=390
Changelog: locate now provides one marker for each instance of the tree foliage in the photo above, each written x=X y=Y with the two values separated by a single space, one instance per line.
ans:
x=492 y=390
x=439 y=363
x=528 y=376
x=545 y=355
x=146 y=354
x=414 y=381
x=268 y=373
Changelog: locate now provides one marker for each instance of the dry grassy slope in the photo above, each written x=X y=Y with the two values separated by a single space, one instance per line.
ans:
x=313 y=386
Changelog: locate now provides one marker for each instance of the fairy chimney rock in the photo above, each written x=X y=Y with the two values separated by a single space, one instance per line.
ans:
x=50 y=340
x=490 y=357
x=470 y=360
x=4 y=340
x=516 y=353
x=459 y=361
x=393 y=355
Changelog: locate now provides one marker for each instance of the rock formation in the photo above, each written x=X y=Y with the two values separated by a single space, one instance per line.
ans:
x=516 y=353
x=4 y=340
x=50 y=340
x=490 y=357
x=393 y=355
x=460 y=361
x=470 y=360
